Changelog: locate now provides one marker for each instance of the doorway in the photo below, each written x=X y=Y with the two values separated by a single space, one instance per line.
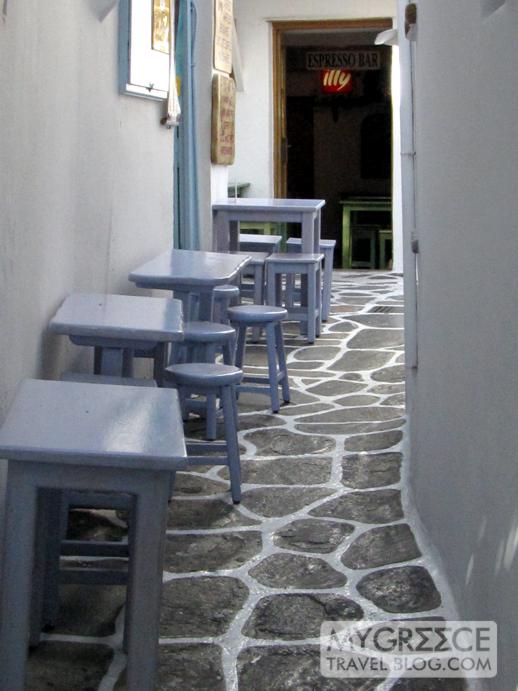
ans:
x=332 y=131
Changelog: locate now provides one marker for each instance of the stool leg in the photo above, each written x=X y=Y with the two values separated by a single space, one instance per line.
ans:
x=211 y=418
x=241 y=345
x=272 y=367
x=234 y=467
x=281 y=354
x=311 y=306
x=328 y=282
x=258 y=297
x=318 y=296
x=145 y=580
x=18 y=550
x=228 y=352
x=160 y=357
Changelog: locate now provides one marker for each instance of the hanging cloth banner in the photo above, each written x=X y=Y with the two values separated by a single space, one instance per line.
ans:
x=173 y=103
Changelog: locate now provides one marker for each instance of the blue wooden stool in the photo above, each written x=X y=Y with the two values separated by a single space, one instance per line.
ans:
x=327 y=247
x=269 y=318
x=216 y=381
x=224 y=296
x=202 y=343
x=309 y=267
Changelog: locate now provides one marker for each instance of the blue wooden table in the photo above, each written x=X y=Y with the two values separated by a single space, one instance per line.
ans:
x=192 y=275
x=117 y=325
x=62 y=435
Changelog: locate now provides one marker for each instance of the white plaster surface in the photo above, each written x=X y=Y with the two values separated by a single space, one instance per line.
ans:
x=85 y=180
x=463 y=426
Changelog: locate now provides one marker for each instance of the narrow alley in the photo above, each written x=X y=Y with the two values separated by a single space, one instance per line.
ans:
x=324 y=530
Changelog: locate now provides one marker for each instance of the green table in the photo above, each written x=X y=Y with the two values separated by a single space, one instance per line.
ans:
x=349 y=207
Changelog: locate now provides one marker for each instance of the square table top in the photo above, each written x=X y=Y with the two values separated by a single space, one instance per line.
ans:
x=268 y=204
x=119 y=316
x=188 y=268
x=98 y=424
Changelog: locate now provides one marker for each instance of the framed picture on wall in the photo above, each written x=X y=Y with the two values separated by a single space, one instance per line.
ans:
x=145 y=41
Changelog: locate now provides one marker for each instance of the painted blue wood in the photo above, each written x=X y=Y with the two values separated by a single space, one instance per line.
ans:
x=64 y=435
x=270 y=318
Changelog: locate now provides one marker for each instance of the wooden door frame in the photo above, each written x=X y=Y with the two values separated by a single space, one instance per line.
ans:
x=279 y=28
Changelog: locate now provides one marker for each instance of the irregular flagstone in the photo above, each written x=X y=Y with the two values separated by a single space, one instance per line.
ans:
x=373 y=442
x=279 y=668
x=396 y=373
x=255 y=421
x=296 y=571
x=402 y=589
x=286 y=443
x=387 y=388
x=294 y=616
x=251 y=402
x=305 y=364
x=352 y=376
x=335 y=387
x=205 y=514
x=188 y=485
x=376 y=338
x=184 y=553
x=187 y=666
x=310 y=535
x=349 y=427
x=397 y=399
x=359 y=361
x=323 y=353
x=200 y=607
x=89 y=610
x=378 y=506
x=371 y=470
x=284 y=471
x=341 y=327
x=380 y=320
x=382 y=546
x=65 y=666
x=358 y=400
x=92 y=525
x=292 y=410
x=256 y=354
x=358 y=414
x=281 y=501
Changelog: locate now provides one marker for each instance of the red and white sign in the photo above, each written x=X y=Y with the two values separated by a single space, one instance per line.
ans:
x=336 y=81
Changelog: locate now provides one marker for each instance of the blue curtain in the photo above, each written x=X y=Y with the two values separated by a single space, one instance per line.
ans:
x=186 y=211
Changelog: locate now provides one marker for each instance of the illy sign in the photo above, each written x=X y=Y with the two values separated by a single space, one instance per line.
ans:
x=336 y=81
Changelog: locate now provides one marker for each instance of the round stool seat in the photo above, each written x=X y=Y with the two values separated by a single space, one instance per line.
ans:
x=257 y=314
x=204 y=332
x=226 y=291
x=202 y=375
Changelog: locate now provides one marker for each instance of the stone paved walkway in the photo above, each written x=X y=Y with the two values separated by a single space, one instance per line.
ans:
x=321 y=532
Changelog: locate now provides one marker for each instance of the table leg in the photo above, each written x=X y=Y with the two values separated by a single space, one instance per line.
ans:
x=221 y=230
x=112 y=362
x=308 y=234
x=20 y=520
x=233 y=240
x=346 y=237
x=145 y=580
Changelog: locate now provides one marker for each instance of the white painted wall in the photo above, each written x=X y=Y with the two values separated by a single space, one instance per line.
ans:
x=85 y=179
x=464 y=426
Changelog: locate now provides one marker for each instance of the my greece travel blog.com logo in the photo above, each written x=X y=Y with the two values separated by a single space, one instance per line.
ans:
x=413 y=648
